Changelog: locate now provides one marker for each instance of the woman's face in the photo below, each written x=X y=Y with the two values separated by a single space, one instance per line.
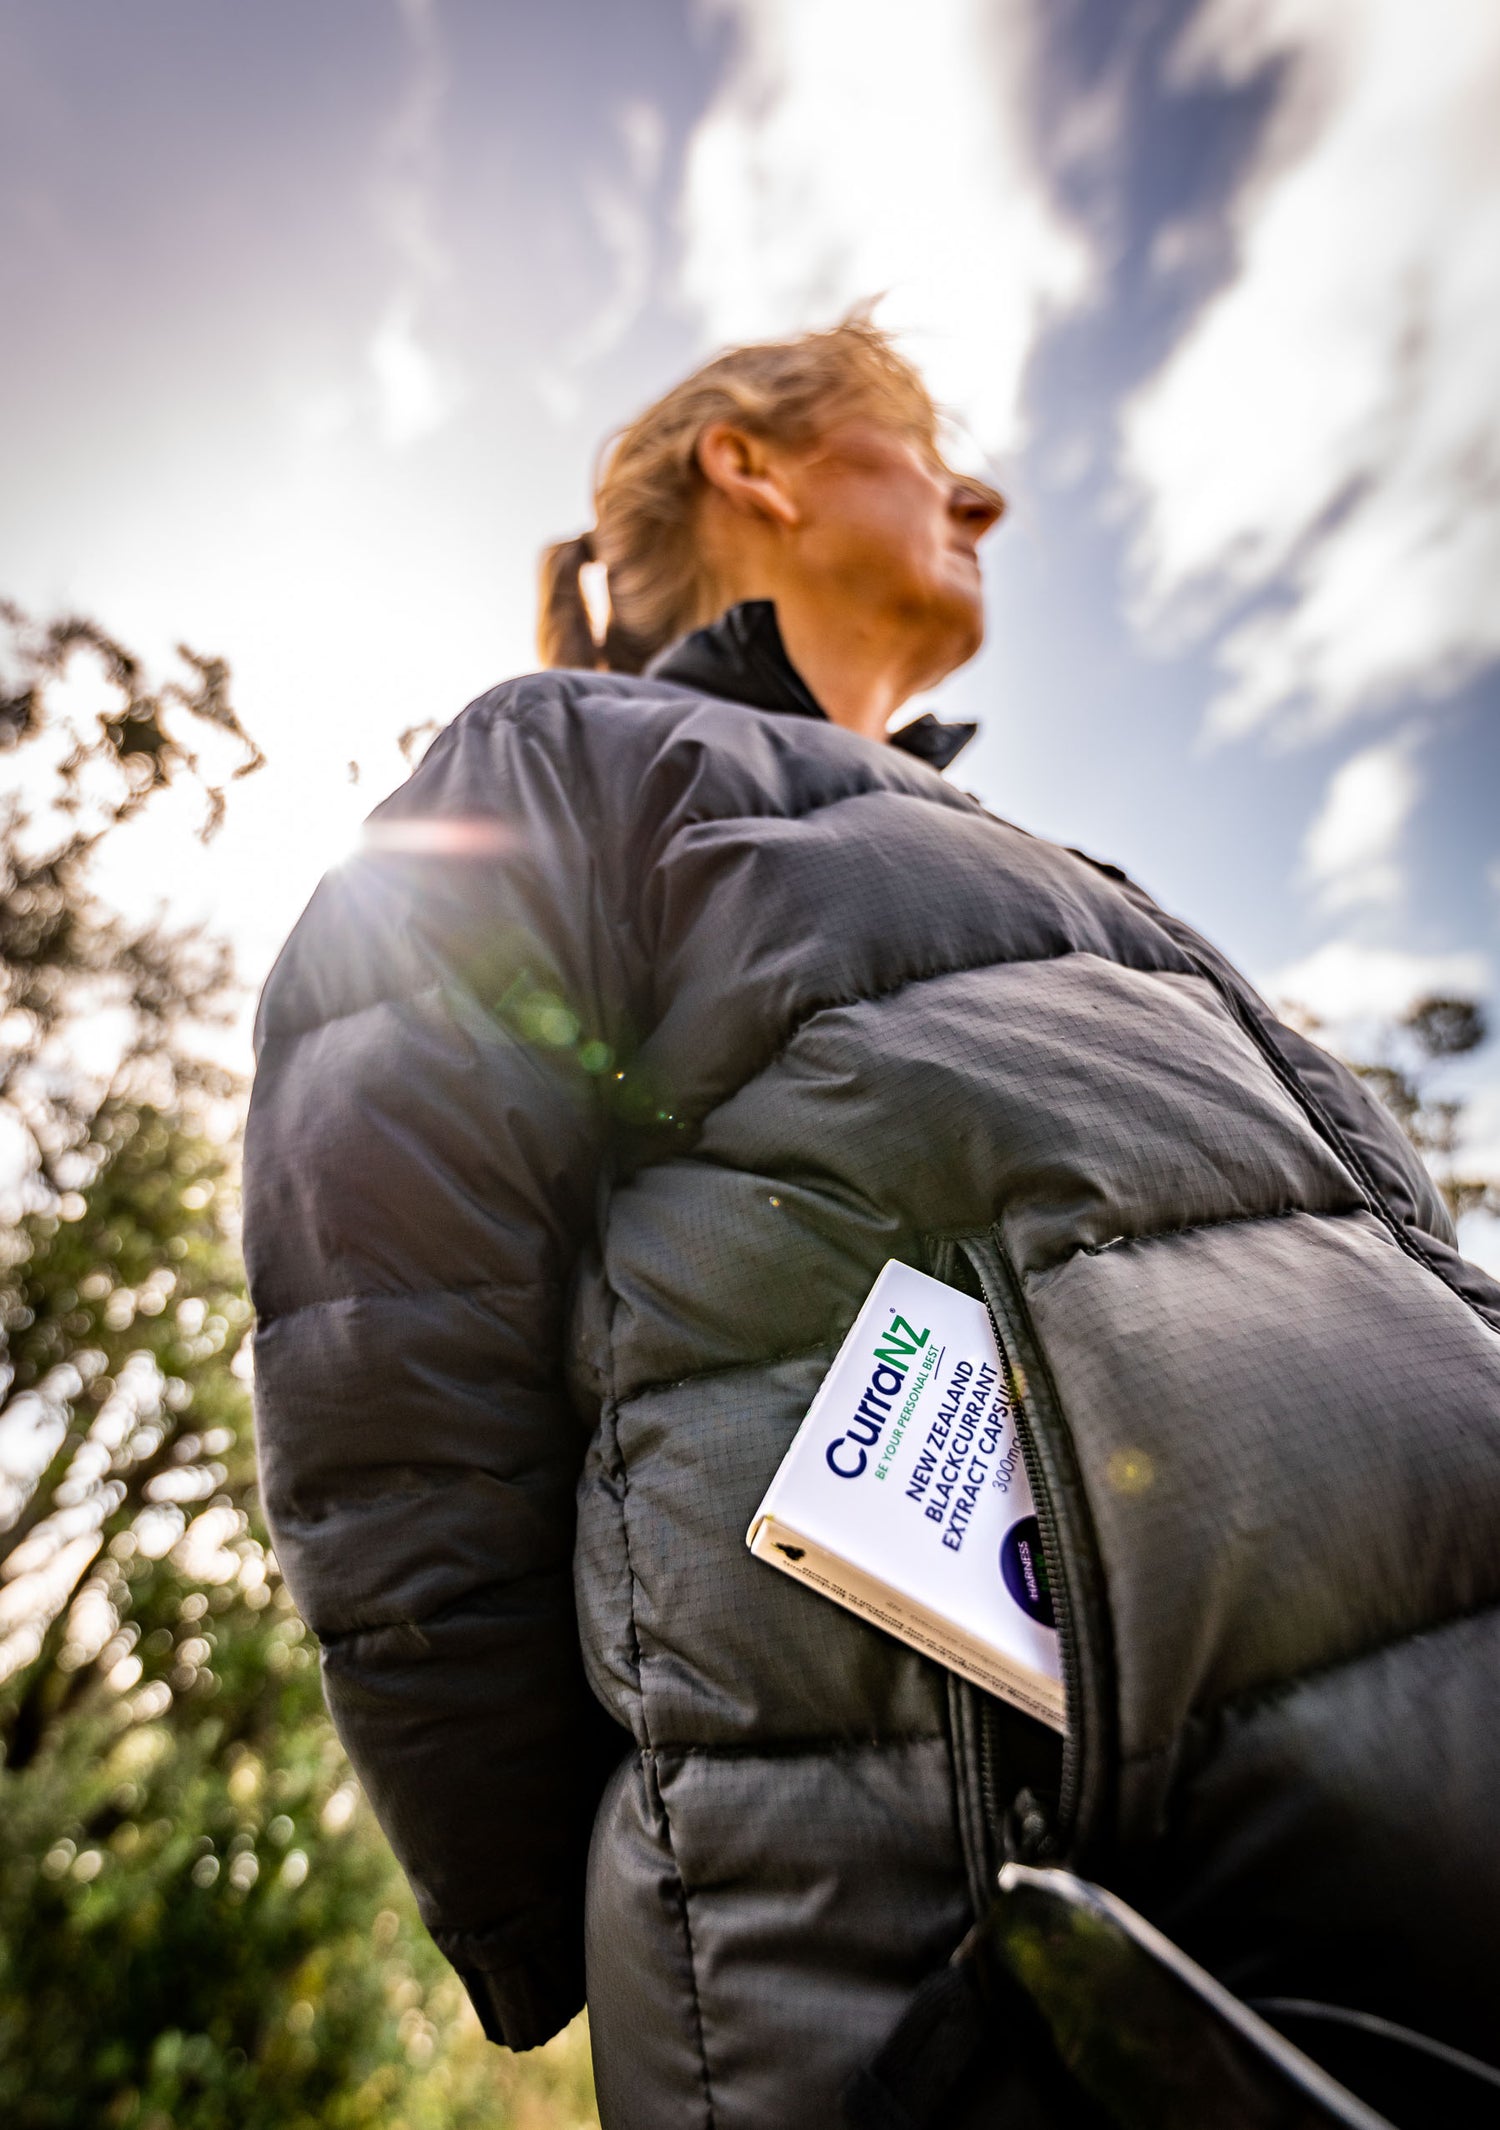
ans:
x=885 y=525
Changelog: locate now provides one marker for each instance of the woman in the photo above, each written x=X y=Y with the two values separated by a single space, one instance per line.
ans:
x=674 y=995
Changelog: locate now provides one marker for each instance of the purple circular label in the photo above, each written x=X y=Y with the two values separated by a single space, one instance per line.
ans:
x=1025 y=1571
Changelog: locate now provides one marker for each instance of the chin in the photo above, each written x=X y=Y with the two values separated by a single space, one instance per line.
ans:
x=963 y=634
x=949 y=621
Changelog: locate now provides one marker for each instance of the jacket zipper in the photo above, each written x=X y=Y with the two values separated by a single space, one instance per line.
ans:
x=1019 y=1822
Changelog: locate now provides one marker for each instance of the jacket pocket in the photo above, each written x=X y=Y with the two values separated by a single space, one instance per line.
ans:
x=1027 y=1817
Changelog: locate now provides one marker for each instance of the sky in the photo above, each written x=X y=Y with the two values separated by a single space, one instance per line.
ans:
x=317 y=316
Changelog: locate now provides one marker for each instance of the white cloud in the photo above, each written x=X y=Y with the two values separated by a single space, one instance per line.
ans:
x=1346 y=982
x=412 y=396
x=859 y=146
x=411 y=400
x=1324 y=441
x=1350 y=854
x=644 y=133
x=622 y=212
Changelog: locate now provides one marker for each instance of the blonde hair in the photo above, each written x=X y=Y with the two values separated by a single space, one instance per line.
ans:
x=649 y=483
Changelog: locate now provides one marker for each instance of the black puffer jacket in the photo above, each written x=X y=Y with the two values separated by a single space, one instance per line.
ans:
x=662 y=1012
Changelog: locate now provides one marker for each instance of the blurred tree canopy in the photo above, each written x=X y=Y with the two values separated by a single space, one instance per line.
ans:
x=1429 y=1035
x=199 y=1924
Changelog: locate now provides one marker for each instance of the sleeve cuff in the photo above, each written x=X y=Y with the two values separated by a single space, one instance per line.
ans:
x=520 y=2005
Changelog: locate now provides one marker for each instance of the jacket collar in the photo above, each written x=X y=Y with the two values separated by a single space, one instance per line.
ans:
x=741 y=656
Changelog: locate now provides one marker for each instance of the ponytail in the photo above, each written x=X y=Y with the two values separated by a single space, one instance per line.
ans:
x=564 y=632
x=565 y=628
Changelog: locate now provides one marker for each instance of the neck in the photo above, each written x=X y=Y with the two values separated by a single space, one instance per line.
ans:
x=855 y=669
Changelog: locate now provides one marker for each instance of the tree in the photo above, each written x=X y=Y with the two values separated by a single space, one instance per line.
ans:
x=1432 y=1032
x=199 y=1924
x=112 y=1185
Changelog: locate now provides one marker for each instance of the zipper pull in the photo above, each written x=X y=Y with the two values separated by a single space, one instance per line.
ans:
x=1025 y=1831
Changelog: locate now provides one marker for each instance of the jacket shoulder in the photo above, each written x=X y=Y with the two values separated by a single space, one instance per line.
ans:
x=492 y=831
x=564 y=698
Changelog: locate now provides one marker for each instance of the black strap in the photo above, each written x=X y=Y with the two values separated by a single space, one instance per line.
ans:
x=911 y=2081
x=970 y=2053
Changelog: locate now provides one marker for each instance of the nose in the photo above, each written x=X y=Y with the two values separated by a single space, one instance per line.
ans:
x=975 y=510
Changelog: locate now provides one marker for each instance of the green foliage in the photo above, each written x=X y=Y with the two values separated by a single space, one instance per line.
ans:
x=200 y=1925
x=91 y=745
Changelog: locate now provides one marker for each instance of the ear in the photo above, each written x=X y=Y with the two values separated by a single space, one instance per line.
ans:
x=746 y=474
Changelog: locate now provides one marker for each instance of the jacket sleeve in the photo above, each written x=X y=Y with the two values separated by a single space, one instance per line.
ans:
x=421 y=1164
